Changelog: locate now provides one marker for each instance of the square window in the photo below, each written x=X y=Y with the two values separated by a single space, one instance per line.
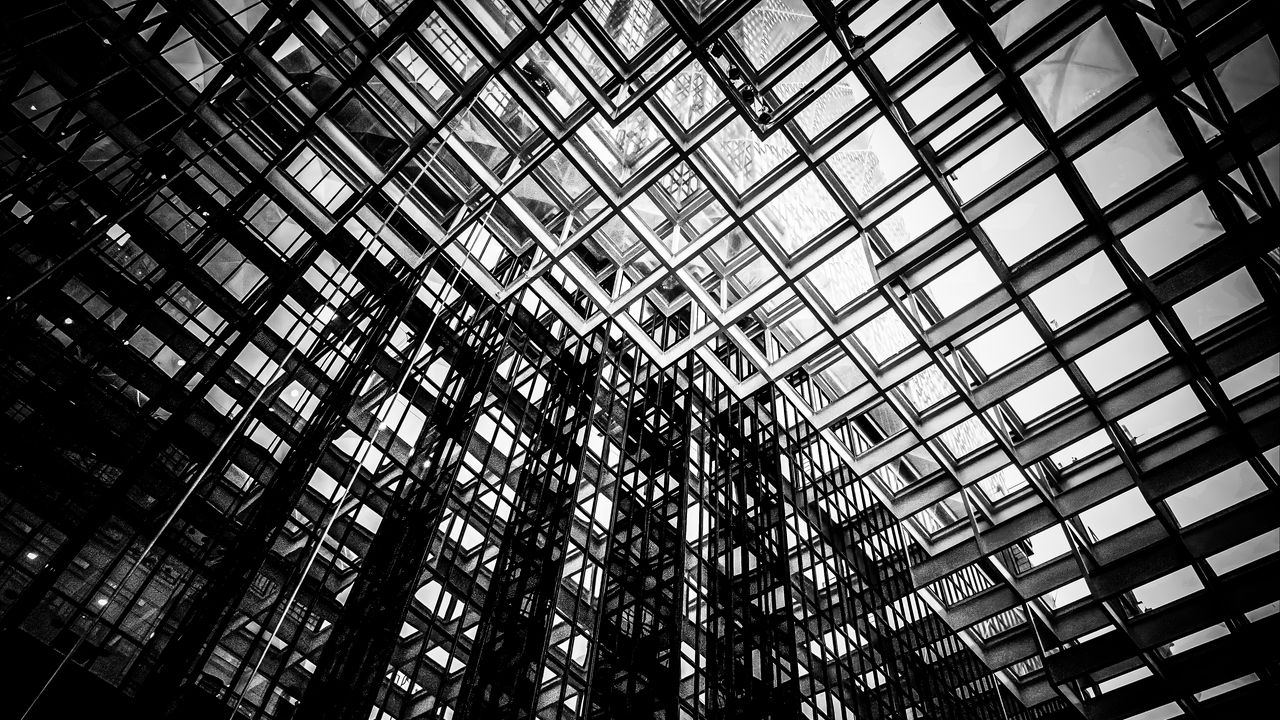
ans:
x=1000 y=346
x=1128 y=158
x=884 y=336
x=1004 y=483
x=1077 y=291
x=1166 y=589
x=1047 y=545
x=967 y=281
x=768 y=28
x=1250 y=73
x=1177 y=232
x=1198 y=638
x=1031 y=220
x=1044 y=395
x=960 y=75
x=1115 y=515
x=1067 y=594
x=1024 y=16
x=1215 y=494
x=843 y=277
x=800 y=213
x=1081 y=73
x=1251 y=377
x=966 y=438
x=1237 y=556
x=912 y=41
x=994 y=163
x=1154 y=418
x=921 y=214
x=1121 y=356
x=1218 y=303
x=927 y=388
x=871 y=160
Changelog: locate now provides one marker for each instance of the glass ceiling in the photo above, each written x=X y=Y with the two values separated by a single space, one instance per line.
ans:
x=878 y=208
x=847 y=217
x=989 y=249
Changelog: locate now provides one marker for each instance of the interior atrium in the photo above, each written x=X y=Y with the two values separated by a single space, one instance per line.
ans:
x=613 y=359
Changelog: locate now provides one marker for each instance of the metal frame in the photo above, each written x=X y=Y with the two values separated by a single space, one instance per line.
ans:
x=485 y=358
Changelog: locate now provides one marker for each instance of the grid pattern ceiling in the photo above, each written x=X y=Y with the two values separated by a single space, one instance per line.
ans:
x=945 y=229
x=1015 y=262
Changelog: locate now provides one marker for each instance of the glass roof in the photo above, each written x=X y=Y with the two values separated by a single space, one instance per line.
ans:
x=988 y=250
x=886 y=215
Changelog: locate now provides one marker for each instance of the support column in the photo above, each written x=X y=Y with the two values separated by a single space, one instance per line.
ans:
x=503 y=675
x=752 y=658
x=637 y=661
x=768 y=588
x=353 y=665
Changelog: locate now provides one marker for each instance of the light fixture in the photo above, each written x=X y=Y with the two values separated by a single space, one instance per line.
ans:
x=102 y=602
x=32 y=556
x=67 y=321
x=734 y=73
